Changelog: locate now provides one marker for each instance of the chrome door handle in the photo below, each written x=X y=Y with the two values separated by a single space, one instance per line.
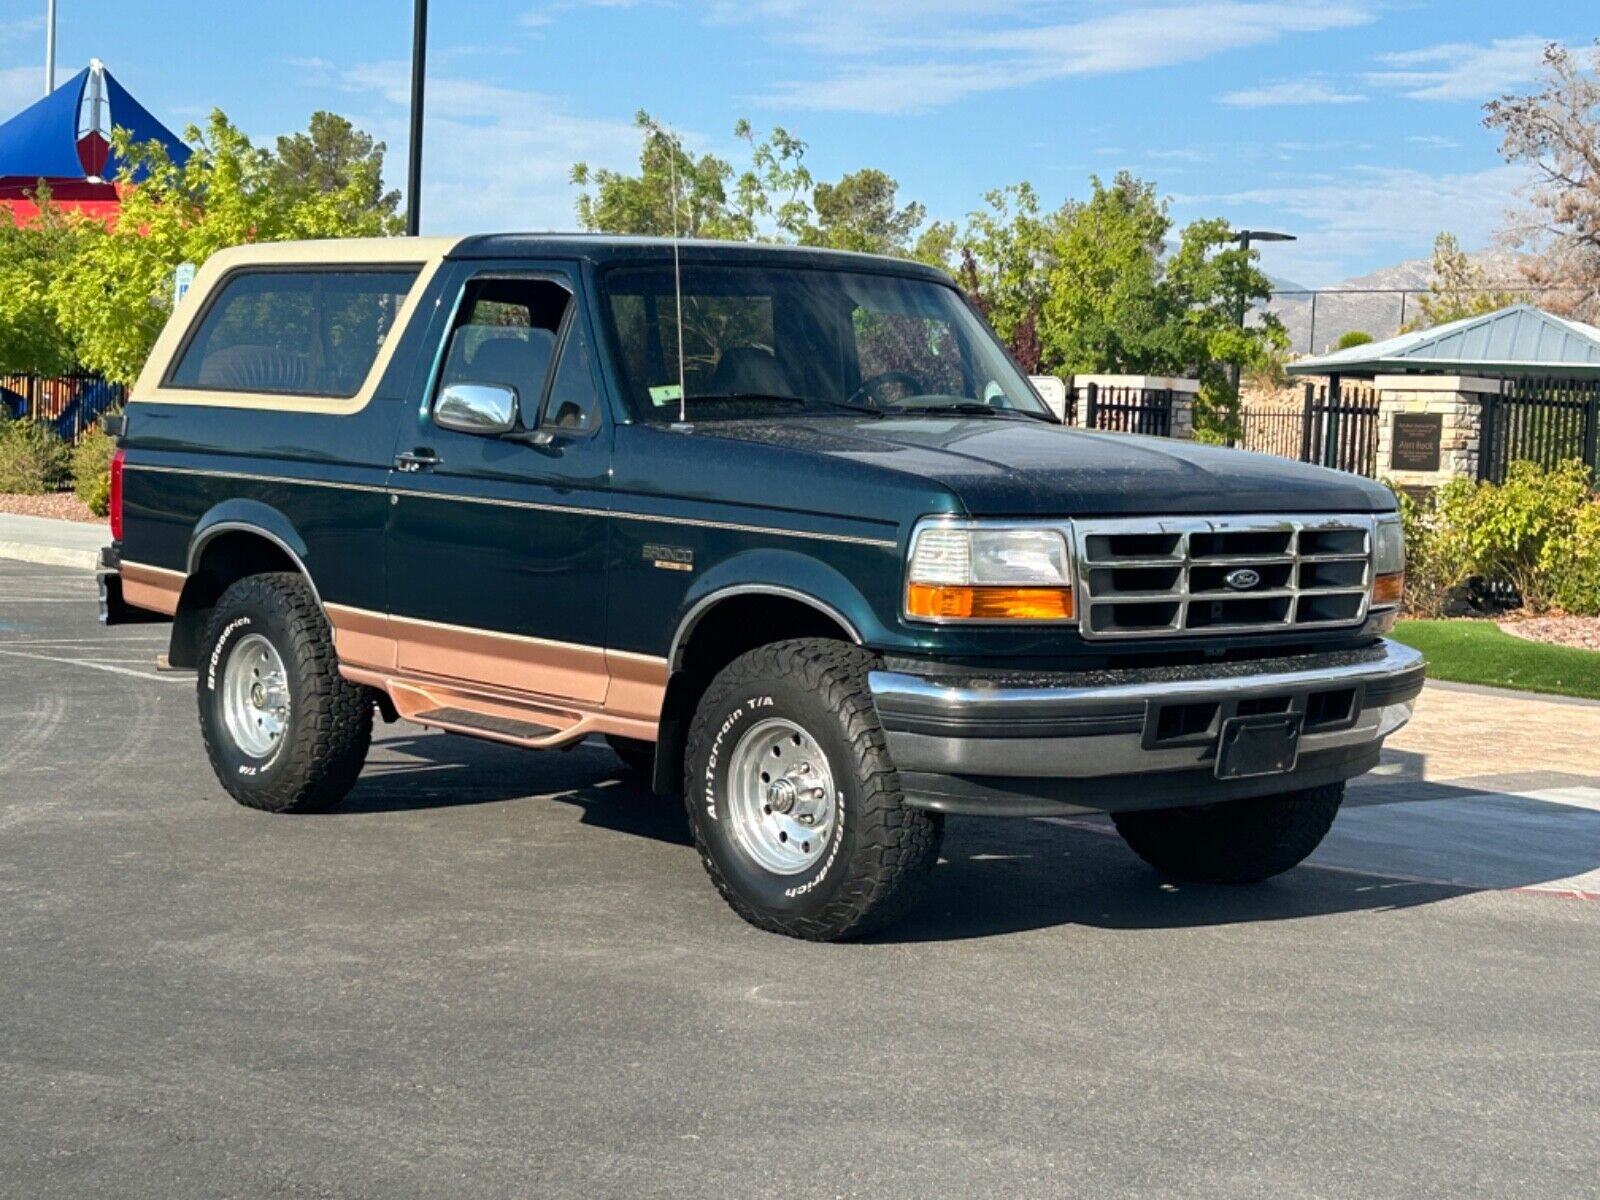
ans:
x=416 y=460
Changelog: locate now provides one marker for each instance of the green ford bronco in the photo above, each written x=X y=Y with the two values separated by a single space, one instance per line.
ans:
x=788 y=528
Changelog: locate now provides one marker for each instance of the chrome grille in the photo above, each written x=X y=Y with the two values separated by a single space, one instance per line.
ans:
x=1175 y=576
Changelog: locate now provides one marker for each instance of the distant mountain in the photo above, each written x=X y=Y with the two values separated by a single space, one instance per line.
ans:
x=1376 y=307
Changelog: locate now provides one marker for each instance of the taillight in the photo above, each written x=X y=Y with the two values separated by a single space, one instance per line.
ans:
x=116 y=496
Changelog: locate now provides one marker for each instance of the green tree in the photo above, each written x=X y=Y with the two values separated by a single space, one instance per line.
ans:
x=774 y=197
x=32 y=340
x=861 y=212
x=1008 y=256
x=1104 y=308
x=112 y=296
x=708 y=202
x=1209 y=281
x=1456 y=288
x=333 y=157
x=1352 y=338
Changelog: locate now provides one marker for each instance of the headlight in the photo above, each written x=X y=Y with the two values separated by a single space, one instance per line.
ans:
x=1388 y=563
x=988 y=572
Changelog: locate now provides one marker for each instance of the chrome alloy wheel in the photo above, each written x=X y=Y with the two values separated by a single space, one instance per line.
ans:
x=781 y=799
x=255 y=697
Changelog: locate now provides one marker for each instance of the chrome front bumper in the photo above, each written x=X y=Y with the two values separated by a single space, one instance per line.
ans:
x=1139 y=738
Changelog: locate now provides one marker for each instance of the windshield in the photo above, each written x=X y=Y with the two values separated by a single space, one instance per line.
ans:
x=776 y=341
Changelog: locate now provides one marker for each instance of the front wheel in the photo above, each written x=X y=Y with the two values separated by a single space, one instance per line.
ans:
x=284 y=730
x=795 y=805
x=1236 y=841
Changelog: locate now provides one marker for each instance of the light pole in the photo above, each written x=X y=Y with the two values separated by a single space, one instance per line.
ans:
x=1244 y=237
x=419 y=54
x=49 y=46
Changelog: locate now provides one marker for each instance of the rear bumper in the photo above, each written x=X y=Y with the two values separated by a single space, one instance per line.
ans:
x=114 y=610
x=1147 y=738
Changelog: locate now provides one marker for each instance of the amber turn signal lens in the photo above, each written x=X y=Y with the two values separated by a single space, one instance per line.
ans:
x=954 y=602
x=1388 y=589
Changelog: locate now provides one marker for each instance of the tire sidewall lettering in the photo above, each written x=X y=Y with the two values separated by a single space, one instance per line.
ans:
x=219 y=650
x=243 y=765
x=780 y=892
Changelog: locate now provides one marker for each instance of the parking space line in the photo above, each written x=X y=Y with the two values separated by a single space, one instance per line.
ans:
x=150 y=675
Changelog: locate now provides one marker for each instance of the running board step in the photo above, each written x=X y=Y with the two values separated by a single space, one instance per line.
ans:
x=466 y=718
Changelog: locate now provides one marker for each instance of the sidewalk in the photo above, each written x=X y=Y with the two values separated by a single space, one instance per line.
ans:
x=56 y=543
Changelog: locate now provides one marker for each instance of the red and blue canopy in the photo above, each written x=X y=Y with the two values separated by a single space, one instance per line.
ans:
x=43 y=140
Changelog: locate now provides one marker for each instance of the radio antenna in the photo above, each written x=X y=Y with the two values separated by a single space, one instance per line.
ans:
x=677 y=278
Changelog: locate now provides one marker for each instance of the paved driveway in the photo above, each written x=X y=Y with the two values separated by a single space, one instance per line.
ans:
x=502 y=974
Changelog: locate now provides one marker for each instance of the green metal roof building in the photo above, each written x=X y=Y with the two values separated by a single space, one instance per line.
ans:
x=1519 y=340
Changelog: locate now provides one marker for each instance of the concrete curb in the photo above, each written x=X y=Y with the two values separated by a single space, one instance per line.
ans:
x=50 y=556
x=52 y=542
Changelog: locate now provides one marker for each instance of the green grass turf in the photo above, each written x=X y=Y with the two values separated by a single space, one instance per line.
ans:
x=1478 y=652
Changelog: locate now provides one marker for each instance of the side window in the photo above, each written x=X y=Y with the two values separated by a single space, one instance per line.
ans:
x=574 y=405
x=295 y=333
x=505 y=334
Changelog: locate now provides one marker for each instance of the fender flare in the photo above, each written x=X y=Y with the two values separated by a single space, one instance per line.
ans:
x=250 y=516
x=776 y=572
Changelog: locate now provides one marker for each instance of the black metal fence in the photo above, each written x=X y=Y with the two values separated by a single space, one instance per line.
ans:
x=1122 y=409
x=1544 y=421
x=1336 y=426
x=69 y=404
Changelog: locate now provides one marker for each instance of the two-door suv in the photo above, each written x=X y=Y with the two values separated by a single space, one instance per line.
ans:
x=787 y=527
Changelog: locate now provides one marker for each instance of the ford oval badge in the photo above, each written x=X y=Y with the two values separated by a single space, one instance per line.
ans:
x=1242 y=580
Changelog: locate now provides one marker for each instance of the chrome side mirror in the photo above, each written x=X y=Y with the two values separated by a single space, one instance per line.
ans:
x=486 y=409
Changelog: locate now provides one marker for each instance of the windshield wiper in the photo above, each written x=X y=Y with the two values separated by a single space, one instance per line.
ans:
x=969 y=409
x=779 y=398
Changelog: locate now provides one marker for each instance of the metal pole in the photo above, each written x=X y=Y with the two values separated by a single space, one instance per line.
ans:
x=1244 y=245
x=49 y=46
x=419 y=50
x=1311 y=334
x=1402 y=311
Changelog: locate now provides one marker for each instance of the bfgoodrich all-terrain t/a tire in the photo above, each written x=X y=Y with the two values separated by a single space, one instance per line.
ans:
x=795 y=805
x=284 y=730
x=1236 y=841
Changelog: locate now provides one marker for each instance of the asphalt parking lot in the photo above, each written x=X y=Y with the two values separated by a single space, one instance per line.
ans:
x=494 y=973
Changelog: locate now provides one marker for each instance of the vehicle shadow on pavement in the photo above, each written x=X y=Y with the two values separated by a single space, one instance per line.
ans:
x=1000 y=877
x=438 y=771
x=1391 y=848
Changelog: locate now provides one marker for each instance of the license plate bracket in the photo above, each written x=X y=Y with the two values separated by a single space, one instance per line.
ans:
x=1260 y=744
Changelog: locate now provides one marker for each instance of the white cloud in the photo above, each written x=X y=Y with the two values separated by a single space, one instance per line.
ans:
x=944 y=50
x=1300 y=91
x=1386 y=213
x=1433 y=142
x=1460 y=70
x=20 y=87
x=21 y=27
x=494 y=158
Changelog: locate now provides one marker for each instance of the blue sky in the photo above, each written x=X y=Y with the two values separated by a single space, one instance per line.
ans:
x=1353 y=123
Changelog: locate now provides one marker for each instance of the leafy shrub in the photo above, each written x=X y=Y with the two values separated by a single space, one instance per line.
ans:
x=91 y=470
x=1437 y=557
x=33 y=460
x=1536 y=532
x=1508 y=527
x=1573 y=558
x=1356 y=337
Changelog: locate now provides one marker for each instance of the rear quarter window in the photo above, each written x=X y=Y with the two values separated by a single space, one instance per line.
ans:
x=293 y=333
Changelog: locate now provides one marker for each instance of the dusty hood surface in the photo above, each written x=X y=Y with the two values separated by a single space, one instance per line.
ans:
x=1011 y=467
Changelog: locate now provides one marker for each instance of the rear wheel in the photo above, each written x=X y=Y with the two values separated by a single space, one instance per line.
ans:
x=284 y=730
x=795 y=805
x=1237 y=841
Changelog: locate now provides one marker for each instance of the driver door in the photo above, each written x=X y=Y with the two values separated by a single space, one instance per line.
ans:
x=497 y=543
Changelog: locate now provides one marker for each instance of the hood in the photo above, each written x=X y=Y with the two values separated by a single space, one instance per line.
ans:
x=1006 y=467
